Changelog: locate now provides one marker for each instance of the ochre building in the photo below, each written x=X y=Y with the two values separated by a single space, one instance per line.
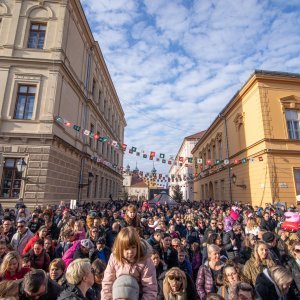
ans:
x=50 y=66
x=251 y=152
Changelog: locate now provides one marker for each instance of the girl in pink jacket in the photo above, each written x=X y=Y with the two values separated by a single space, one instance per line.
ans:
x=131 y=256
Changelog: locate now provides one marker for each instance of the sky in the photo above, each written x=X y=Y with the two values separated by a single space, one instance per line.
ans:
x=176 y=63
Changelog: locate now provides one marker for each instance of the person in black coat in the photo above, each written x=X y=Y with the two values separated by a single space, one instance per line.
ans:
x=176 y=283
x=293 y=264
x=191 y=234
x=276 y=283
x=155 y=239
x=159 y=264
x=167 y=253
x=36 y=285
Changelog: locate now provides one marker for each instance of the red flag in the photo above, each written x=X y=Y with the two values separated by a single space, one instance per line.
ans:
x=152 y=153
x=180 y=158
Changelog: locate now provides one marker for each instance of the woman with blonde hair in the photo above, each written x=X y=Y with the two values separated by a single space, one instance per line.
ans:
x=80 y=277
x=11 y=267
x=252 y=226
x=176 y=284
x=275 y=284
x=9 y=289
x=259 y=260
x=208 y=274
x=130 y=256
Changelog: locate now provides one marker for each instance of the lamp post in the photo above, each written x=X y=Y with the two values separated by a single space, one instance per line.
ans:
x=81 y=185
x=21 y=164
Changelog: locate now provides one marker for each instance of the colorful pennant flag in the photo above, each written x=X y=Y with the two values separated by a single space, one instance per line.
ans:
x=161 y=155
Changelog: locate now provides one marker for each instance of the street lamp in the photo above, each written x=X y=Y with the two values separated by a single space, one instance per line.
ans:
x=234 y=178
x=90 y=179
x=21 y=164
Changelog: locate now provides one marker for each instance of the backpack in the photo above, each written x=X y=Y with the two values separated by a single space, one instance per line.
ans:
x=68 y=256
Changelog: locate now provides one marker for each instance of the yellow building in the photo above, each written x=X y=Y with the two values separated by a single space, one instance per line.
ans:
x=50 y=65
x=251 y=152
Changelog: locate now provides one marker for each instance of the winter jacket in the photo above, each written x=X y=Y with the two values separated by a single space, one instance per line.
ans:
x=30 y=244
x=153 y=243
x=53 y=291
x=192 y=236
x=41 y=261
x=251 y=270
x=196 y=263
x=295 y=270
x=143 y=271
x=204 y=282
x=110 y=238
x=186 y=267
x=68 y=256
x=103 y=254
x=18 y=275
x=190 y=289
x=267 y=289
x=19 y=242
x=170 y=257
x=72 y=292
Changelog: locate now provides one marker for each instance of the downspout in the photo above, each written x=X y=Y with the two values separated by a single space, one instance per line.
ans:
x=227 y=155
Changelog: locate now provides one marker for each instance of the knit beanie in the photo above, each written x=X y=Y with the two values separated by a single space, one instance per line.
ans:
x=125 y=287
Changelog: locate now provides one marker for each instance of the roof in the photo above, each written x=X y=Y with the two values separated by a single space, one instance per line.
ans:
x=256 y=73
x=141 y=184
x=197 y=135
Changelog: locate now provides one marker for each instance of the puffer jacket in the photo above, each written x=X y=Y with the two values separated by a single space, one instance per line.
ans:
x=143 y=271
x=72 y=292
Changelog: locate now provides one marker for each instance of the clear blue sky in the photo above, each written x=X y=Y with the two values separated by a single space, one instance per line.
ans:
x=175 y=64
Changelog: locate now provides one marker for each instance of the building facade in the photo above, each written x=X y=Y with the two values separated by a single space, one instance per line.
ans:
x=50 y=67
x=251 y=152
x=181 y=174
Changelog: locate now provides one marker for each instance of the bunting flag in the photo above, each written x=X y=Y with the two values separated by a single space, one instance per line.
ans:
x=180 y=158
x=76 y=127
x=190 y=159
x=209 y=162
x=169 y=162
x=163 y=161
x=152 y=153
x=144 y=155
x=236 y=161
x=157 y=159
x=151 y=157
x=133 y=149
x=86 y=132
x=137 y=153
x=244 y=160
x=130 y=151
x=124 y=146
x=161 y=155
x=199 y=160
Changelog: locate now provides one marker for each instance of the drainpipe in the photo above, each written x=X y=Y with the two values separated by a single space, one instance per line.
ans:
x=227 y=155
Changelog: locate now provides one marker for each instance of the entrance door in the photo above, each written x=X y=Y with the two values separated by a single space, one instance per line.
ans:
x=211 y=191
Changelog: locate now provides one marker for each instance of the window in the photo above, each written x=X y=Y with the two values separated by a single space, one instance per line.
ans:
x=214 y=153
x=222 y=190
x=37 y=36
x=25 y=102
x=11 y=179
x=292 y=120
x=91 y=134
x=97 y=142
x=96 y=186
x=220 y=150
x=297 y=181
x=93 y=89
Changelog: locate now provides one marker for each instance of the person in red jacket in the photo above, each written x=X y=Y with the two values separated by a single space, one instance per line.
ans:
x=41 y=234
x=11 y=267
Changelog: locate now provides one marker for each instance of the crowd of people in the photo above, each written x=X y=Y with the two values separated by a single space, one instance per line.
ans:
x=130 y=250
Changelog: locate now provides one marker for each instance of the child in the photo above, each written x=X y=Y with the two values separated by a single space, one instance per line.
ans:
x=26 y=263
x=159 y=264
x=131 y=256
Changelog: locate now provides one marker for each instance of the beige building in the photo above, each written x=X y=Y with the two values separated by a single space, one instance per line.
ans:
x=50 y=65
x=251 y=152
x=135 y=187
x=184 y=169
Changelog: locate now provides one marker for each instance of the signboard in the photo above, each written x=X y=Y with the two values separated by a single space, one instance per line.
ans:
x=73 y=203
x=283 y=185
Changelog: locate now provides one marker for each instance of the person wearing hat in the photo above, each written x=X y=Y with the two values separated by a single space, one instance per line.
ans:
x=271 y=240
x=125 y=287
x=84 y=249
x=102 y=251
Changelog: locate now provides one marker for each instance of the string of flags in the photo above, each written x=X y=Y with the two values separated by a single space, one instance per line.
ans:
x=201 y=166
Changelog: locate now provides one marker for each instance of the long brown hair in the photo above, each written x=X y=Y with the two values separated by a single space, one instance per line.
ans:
x=231 y=264
x=258 y=261
x=126 y=238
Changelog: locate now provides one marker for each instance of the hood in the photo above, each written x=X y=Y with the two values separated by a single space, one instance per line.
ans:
x=146 y=249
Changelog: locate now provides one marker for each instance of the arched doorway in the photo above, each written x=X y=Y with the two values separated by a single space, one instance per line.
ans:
x=210 y=190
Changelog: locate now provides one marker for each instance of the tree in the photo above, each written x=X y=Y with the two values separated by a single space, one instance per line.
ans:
x=177 y=193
